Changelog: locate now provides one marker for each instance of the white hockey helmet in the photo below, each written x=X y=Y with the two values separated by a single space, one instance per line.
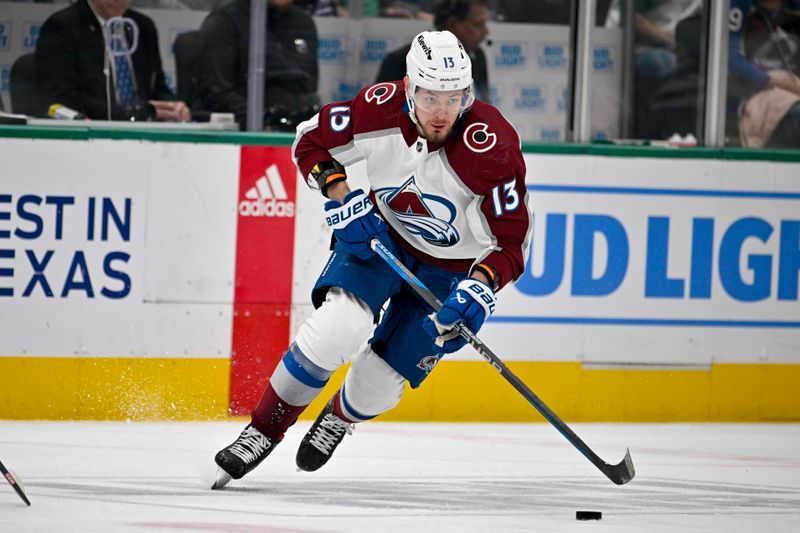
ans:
x=437 y=61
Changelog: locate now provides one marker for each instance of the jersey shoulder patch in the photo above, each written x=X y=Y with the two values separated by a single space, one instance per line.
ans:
x=479 y=138
x=380 y=93
x=486 y=148
x=378 y=107
x=485 y=129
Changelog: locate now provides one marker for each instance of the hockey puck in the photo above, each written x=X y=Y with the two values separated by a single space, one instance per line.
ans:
x=588 y=515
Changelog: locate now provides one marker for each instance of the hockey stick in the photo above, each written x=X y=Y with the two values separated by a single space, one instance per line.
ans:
x=13 y=483
x=619 y=473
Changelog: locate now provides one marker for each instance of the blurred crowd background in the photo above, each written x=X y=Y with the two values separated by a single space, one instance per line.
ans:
x=561 y=70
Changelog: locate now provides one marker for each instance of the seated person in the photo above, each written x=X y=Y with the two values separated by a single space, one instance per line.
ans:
x=291 y=70
x=72 y=60
x=654 y=53
x=466 y=19
x=764 y=85
x=675 y=104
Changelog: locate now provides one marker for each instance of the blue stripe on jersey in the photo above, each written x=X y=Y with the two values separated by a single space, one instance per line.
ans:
x=298 y=372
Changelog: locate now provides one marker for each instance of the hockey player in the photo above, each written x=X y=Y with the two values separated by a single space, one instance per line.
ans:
x=447 y=196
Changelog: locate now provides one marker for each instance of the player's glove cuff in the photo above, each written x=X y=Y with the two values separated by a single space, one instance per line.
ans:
x=325 y=174
x=354 y=223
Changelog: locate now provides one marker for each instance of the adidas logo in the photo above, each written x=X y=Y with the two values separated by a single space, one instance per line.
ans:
x=267 y=198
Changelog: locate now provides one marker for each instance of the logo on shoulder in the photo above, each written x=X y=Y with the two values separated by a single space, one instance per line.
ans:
x=478 y=138
x=380 y=93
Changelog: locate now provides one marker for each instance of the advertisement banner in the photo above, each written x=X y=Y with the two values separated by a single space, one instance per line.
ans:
x=681 y=268
x=264 y=262
x=71 y=251
x=104 y=260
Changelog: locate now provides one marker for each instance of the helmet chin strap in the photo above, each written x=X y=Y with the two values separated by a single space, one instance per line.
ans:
x=412 y=109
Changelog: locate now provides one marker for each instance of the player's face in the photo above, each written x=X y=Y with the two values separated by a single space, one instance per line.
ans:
x=437 y=112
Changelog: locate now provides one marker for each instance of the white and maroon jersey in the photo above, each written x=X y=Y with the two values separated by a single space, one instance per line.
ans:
x=454 y=205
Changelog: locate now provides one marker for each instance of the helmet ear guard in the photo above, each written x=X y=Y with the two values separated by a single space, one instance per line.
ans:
x=437 y=61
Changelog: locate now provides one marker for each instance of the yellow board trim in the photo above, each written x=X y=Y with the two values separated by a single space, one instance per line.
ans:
x=467 y=391
x=54 y=388
x=82 y=388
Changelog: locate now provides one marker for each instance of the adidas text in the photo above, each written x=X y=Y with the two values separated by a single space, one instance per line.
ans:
x=266 y=208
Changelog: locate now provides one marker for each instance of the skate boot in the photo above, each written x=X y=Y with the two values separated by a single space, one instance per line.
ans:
x=322 y=439
x=243 y=455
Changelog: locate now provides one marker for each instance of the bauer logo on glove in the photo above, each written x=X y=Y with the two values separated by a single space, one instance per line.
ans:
x=356 y=207
x=471 y=303
x=354 y=223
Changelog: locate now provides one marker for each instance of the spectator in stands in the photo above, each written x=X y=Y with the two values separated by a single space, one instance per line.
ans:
x=676 y=106
x=85 y=65
x=467 y=20
x=763 y=71
x=290 y=72
x=654 y=50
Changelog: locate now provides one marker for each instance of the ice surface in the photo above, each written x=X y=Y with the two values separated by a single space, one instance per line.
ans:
x=93 y=477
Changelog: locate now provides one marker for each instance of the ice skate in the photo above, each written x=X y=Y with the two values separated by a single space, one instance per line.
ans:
x=322 y=439
x=243 y=455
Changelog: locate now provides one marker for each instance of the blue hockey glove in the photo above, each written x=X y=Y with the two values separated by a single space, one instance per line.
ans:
x=354 y=222
x=472 y=302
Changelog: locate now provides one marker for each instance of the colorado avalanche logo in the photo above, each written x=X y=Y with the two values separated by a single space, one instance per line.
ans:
x=478 y=138
x=427 y=363
x=424 y=215
x=380 y=93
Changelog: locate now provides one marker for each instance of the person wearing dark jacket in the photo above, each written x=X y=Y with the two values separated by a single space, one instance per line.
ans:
x=466 y=19
x=291 y=71
x=74 y=69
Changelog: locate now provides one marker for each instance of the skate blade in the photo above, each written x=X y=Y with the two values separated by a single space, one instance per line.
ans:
x=223 y=478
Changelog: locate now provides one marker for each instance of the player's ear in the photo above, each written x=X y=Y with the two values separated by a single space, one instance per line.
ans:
x=405 y=82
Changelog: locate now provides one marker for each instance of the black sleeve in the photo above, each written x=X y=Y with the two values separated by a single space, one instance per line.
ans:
x=58 y=73
x=156 y=85
x=289 y=66
x=217 y=68
x=314 y=68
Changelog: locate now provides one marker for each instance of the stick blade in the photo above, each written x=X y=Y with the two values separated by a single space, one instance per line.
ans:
x=18 y=488
x=622 y=472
